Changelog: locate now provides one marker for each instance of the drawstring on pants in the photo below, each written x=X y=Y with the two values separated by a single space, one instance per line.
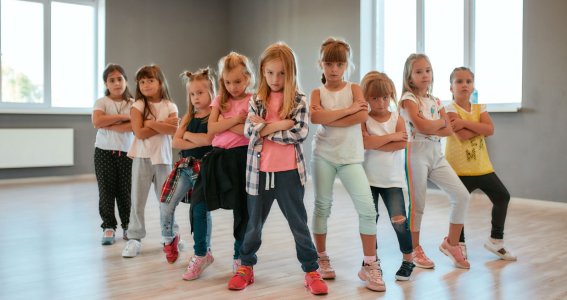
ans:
x=270 y=183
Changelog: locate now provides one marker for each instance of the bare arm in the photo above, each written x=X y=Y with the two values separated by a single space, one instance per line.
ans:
x=181 y=142
x=373 y=142
x=167 y=126
x=276 y=126
x=399 y=139
x=447 y=130
x=319 y=115
x=121 y=127
x=425 y=126
x=218 y=124
x=100 y=119
x=485 y=127
x=201 y=139
x=137 y=121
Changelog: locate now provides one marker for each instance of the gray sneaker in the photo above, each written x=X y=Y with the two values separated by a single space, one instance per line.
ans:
x=132 y=248
x=325 y=268
x=107 y=236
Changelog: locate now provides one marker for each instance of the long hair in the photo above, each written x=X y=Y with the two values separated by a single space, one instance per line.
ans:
x=148 y=72
x=286 y=55
x=376 y=84
x=204 y=74
x=335 y=50
x=408 y=69
x=111 y=68
x=228 y=63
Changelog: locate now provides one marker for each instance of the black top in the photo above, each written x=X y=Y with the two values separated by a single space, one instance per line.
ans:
x=197 y=125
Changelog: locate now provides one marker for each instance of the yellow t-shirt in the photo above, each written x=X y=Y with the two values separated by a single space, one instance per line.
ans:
x=470 y=157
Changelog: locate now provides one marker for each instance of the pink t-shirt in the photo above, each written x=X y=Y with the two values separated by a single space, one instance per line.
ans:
x=228 y=139
x=276 y=157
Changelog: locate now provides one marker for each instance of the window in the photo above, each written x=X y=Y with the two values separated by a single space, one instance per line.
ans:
x=483 y=35
x=50 y=58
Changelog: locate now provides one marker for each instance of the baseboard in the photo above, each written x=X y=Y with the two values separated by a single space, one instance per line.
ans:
x=48 y=179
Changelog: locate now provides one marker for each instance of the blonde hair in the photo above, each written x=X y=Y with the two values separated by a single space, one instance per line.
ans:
x=408 y=69
x=149 y=72
x=376 y=84
x=204 y=74
x=335 y=50
x=286 y=55
x=455 y=70
x=228 y=63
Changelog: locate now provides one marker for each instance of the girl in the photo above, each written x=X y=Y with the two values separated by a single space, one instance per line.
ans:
x=113 y=138
x=384 y=135
x=427 y=122
x=339 y=107
x=154 y=120
x=277 y=126
x=466 y=152
x=223 y=170
x=193 y=139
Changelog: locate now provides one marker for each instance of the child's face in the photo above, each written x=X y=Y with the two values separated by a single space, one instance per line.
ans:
x=150 y=87
x=421 y=75
x=198 y=92
x=379 y=103
x=235 y=82
x=334 y=71
x=275 y=74
x=116 y=84
x=462 y=85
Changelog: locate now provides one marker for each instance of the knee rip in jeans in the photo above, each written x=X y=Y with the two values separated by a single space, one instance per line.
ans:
x=398 y=219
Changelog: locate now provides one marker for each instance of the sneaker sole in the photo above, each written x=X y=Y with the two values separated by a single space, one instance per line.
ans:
x=402 y=278
x=315 y=292
x=500 y=254
x=232 y=288
x=447 y=253
x=107 y=242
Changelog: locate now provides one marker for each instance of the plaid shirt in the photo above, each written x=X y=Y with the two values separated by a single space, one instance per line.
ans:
x=296 y=135
x=170 y=184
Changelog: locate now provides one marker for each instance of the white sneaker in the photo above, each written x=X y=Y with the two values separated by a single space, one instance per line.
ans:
x=132 y=248
x=498 y=249
x=181 y=245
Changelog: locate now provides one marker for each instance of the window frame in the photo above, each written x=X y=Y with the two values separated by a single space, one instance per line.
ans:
x=372 y=41
x=45 y=107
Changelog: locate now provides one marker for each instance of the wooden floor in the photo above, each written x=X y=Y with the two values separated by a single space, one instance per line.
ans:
x=49 y=249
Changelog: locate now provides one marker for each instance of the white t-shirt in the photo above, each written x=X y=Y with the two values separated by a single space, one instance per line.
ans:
x=383 y=168
x=430 y=108
x=158 y=147
x=110 y=139
x=339 y=145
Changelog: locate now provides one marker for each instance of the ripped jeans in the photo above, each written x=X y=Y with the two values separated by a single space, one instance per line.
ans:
x=394 y=201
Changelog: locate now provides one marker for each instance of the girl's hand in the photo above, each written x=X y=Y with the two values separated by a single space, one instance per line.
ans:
x=241 y=117
x=400 y=136
x=257 y=119
x=172 y=121
x=457 y=124
x=288 y=124
x=358 y=106
x=317 y=108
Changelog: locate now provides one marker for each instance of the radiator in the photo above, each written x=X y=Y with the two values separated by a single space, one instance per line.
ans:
x=26 y=148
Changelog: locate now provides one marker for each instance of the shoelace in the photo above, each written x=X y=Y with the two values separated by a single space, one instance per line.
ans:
x=314 y=275
x=375 y=270
x=241 y=272
x=407 y=266
x=324 y=263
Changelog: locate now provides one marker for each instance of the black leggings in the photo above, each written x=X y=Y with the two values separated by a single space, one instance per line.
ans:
x=491 y=185
x=114 y=176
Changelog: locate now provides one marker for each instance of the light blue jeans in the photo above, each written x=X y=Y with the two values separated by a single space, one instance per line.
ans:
x=201 y=234
x=355 y=182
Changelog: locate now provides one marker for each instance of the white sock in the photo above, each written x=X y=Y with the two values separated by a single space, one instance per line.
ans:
x=369 y=259
x=321 y=254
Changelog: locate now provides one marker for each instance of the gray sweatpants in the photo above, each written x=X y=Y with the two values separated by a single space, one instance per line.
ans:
x=143 y=175
x=425 y=161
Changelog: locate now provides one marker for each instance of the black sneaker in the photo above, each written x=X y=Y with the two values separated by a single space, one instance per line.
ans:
x=405 y=270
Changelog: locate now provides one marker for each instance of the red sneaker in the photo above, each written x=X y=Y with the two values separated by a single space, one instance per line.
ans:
x=243 y=277
x=315 y=284
x=171 y=250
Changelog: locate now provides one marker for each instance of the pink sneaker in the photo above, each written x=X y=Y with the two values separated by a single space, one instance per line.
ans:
x=455 y=254
x=421 y=260
x=171 y=250
x=197 y=264
x=325 y=268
